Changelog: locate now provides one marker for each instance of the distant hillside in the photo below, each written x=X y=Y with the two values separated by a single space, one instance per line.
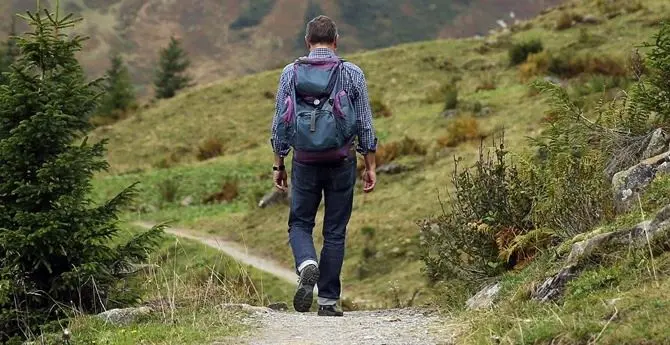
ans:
x=235 y=37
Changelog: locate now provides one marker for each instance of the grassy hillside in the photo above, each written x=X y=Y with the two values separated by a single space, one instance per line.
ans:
x=237 y=37
x=159 y=145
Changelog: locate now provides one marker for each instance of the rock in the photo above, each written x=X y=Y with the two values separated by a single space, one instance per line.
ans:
x=275 y=197
x=392 y=169
x=450 y=113
x=124 y=316
x=188 y=201
x=279 y=306
x=244 y=308
x=657 y=144
x=552 y=288
x=485 y=111
x=484 y=299
x=585 y=248
x=628 y=184
x=553 y=80
x=590 y=19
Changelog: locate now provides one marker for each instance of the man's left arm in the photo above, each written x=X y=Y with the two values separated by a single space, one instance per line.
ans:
x=367 y=141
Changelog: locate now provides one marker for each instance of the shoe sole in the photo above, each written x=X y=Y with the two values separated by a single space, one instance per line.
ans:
x=302 y=301
x=329 y=314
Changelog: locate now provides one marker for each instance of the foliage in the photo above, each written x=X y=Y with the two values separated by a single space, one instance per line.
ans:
x=518 y=53
x=568 y=65
x=564 y=21
x=451 y=99
x=253 y=13
x=228 y=192
x=654 y=93
x=459 y=130
x=210 y=148
x=171 y=74
x=491 y=205
x=57 y=248
x=407 y=146
x=119 y=94
x=379 y=108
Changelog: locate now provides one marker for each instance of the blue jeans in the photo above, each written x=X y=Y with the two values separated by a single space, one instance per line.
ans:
x=308 y=182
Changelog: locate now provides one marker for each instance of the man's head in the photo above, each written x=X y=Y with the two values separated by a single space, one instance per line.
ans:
x=321 y=32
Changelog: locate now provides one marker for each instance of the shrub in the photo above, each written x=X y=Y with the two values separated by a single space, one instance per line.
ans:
x=518 y=53
x=168 y=190
x=253 y=14
x=489 y=208
x=487 y=82
x=451 y=99
x=210 y=148
x=564 y=21
x=459 y=130
x=536 y=64
x=379 y=108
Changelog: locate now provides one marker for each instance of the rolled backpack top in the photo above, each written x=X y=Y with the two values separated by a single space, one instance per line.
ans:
x=317 y=117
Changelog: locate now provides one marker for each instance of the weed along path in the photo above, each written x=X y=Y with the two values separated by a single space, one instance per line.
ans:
x=382 y=327
x=232 y=249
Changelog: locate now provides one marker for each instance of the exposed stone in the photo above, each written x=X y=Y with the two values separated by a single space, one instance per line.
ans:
x=484 y=299
x=628 y=184
x=590 y=19
x=639 y=236
x=124 y=316
x=234 y=307
x=450 y=113
x=586 y=247
x=657 y=144
x=275 y=197
x=187 y=201
x=552 y=288
x=392 y=169
x=279 y=306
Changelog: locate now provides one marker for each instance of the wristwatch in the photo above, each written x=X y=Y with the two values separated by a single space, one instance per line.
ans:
x=278 y=168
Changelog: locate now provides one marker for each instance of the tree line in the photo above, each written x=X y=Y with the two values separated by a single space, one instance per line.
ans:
x=119 y=95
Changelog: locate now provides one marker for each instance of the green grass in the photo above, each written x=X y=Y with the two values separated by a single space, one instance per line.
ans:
x=238 y=113
x=184 y=287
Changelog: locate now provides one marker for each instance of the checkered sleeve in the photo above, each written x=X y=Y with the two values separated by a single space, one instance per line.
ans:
x=367 y=141
x=279 y=145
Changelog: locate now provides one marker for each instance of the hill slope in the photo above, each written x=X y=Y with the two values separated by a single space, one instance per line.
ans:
x=235 y=37
x=159 y=145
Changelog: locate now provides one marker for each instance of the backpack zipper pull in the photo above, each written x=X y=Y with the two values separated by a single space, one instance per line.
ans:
x=312 y=124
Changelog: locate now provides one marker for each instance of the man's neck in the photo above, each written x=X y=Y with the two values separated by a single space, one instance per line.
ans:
x=321 y=46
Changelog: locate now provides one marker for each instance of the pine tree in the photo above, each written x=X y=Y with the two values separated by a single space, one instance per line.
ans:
x=56 y=244
x=171 y=75
x=119 y=94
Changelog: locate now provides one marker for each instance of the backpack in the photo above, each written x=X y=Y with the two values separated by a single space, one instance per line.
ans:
x=317 y=117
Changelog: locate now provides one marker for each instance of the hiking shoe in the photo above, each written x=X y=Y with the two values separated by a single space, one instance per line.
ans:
x=329 y=310
x=302 y=301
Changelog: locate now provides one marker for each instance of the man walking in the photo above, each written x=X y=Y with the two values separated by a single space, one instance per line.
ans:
x=322 y=107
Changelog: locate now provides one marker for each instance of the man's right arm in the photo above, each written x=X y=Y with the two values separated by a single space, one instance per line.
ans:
x=280 y=147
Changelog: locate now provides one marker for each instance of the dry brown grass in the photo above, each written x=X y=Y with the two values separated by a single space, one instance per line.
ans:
x=229 y=191
x=460 y=130
x=210 y=148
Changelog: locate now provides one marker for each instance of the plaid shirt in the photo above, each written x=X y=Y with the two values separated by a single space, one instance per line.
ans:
x=356 y=87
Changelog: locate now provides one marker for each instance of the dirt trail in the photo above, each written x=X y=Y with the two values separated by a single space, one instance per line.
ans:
x=384 y=327
x=232 y=249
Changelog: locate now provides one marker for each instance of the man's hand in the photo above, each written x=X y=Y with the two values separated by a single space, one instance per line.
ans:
x=370 y=179
x=370 y=174
x=280 y=179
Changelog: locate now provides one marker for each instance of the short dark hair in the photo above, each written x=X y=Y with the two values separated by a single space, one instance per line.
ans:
x=321 y=30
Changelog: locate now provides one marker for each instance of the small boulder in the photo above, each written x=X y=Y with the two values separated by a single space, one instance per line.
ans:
x=585 y=248
x=484 y=299
x=626 y=185
x=245 y=308
x=275 y=197
x=450 y=113
x=590 y=19
x=392 y=169
x=552 y=288
x=657 y=144
x=279 y=306
x=187 y=201
x=124 y=316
